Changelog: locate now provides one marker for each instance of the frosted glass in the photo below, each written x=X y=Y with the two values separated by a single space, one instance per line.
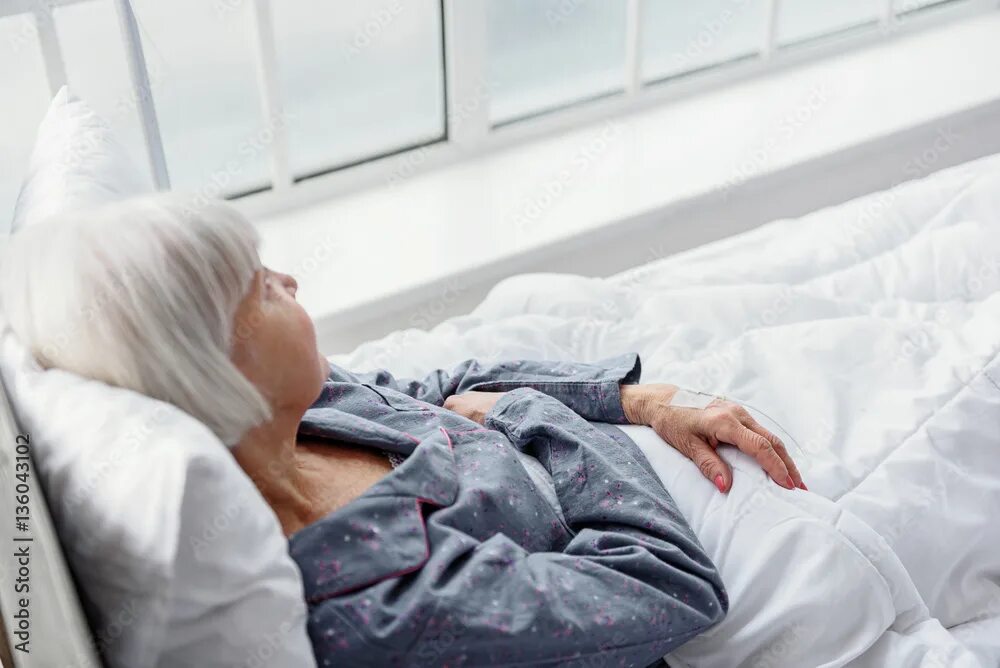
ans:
x=24 y=97
x=205 y=89
x=97 y=70
x=907 y=7
x=680 y=36
x=359 y=79
x=544 y=54
x=801 y=20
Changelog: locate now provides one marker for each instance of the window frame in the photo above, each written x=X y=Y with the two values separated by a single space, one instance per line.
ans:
x=468 y=131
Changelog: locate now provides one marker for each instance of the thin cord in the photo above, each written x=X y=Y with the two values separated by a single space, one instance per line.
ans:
x=725 y=397
x=745 y=404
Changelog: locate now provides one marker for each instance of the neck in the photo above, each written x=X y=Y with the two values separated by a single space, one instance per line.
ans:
x=267 y=454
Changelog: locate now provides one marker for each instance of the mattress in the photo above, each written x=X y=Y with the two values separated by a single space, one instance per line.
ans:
x=866 y=335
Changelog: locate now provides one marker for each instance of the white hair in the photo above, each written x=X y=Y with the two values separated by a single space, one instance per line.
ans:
x=141 y=294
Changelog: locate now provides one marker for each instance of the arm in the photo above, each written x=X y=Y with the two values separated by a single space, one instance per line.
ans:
x=631 y=584
x=697 y=433
x=593 y=391
x=607 y=391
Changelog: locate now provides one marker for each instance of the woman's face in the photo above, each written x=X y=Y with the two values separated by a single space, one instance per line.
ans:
x=274 y=343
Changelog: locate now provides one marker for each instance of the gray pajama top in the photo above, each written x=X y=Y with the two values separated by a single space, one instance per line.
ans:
x=538 y=539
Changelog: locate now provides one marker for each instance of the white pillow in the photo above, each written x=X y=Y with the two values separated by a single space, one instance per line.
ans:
x=179 y=559
x=77 y=162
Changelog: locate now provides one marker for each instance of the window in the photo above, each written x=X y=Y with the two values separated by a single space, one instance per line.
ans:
x=205 y=91
x=904 y=9
x=801 y=20
x=333 y=59
x=22 y=79
x=97 y=69
x=546 y=54
x=359 y=79
x=256 y=96
x=679 y=37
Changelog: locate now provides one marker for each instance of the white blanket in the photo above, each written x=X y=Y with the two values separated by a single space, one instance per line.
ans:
x=870 y=333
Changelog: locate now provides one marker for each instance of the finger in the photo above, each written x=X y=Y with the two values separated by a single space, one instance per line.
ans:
x=779 y=448
x=759 y=448
x=711 y=465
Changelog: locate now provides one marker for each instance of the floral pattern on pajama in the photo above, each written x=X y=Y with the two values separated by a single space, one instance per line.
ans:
x=459 y=557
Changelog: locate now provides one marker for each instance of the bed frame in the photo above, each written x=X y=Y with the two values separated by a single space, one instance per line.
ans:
x=59 y=634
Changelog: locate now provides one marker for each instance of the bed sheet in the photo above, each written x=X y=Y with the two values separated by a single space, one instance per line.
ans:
x=868 y=335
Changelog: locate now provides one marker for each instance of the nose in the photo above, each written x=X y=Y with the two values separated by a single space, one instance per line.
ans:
x=289 y=283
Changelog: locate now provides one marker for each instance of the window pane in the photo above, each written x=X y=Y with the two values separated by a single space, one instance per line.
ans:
x=903 y=7
x=25 y=95
x=544 y=54
x=359 y=79
x=805 y=19
x=680 y=36
x=214 y=135
x=97 y=71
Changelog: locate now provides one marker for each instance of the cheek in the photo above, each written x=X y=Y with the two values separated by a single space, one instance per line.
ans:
x=314 y=367
x=307 y=331
x=276 y=342
x=305 y=344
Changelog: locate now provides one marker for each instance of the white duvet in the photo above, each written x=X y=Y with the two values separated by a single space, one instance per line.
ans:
x=870 y=333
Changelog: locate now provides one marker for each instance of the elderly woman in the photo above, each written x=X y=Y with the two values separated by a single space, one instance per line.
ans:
x=475 y=517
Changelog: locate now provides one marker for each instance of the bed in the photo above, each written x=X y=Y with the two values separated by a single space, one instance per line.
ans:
x=867 y=336
x=58 y=633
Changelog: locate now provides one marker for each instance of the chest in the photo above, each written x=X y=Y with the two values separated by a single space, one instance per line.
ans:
x=497 y=494
x=334 y=474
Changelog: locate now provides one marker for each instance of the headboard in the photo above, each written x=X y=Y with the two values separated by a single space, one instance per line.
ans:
x=57 y=630
x=59 y=634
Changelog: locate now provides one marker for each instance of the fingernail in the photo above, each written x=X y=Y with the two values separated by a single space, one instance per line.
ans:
x=803 y=486
x=720 y=483
x=791 y=483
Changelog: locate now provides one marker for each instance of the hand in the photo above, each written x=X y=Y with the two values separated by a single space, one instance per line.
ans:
x=472 y=405
x=697 y=432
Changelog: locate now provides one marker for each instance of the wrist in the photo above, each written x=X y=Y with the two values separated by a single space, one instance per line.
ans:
x=639 y=401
